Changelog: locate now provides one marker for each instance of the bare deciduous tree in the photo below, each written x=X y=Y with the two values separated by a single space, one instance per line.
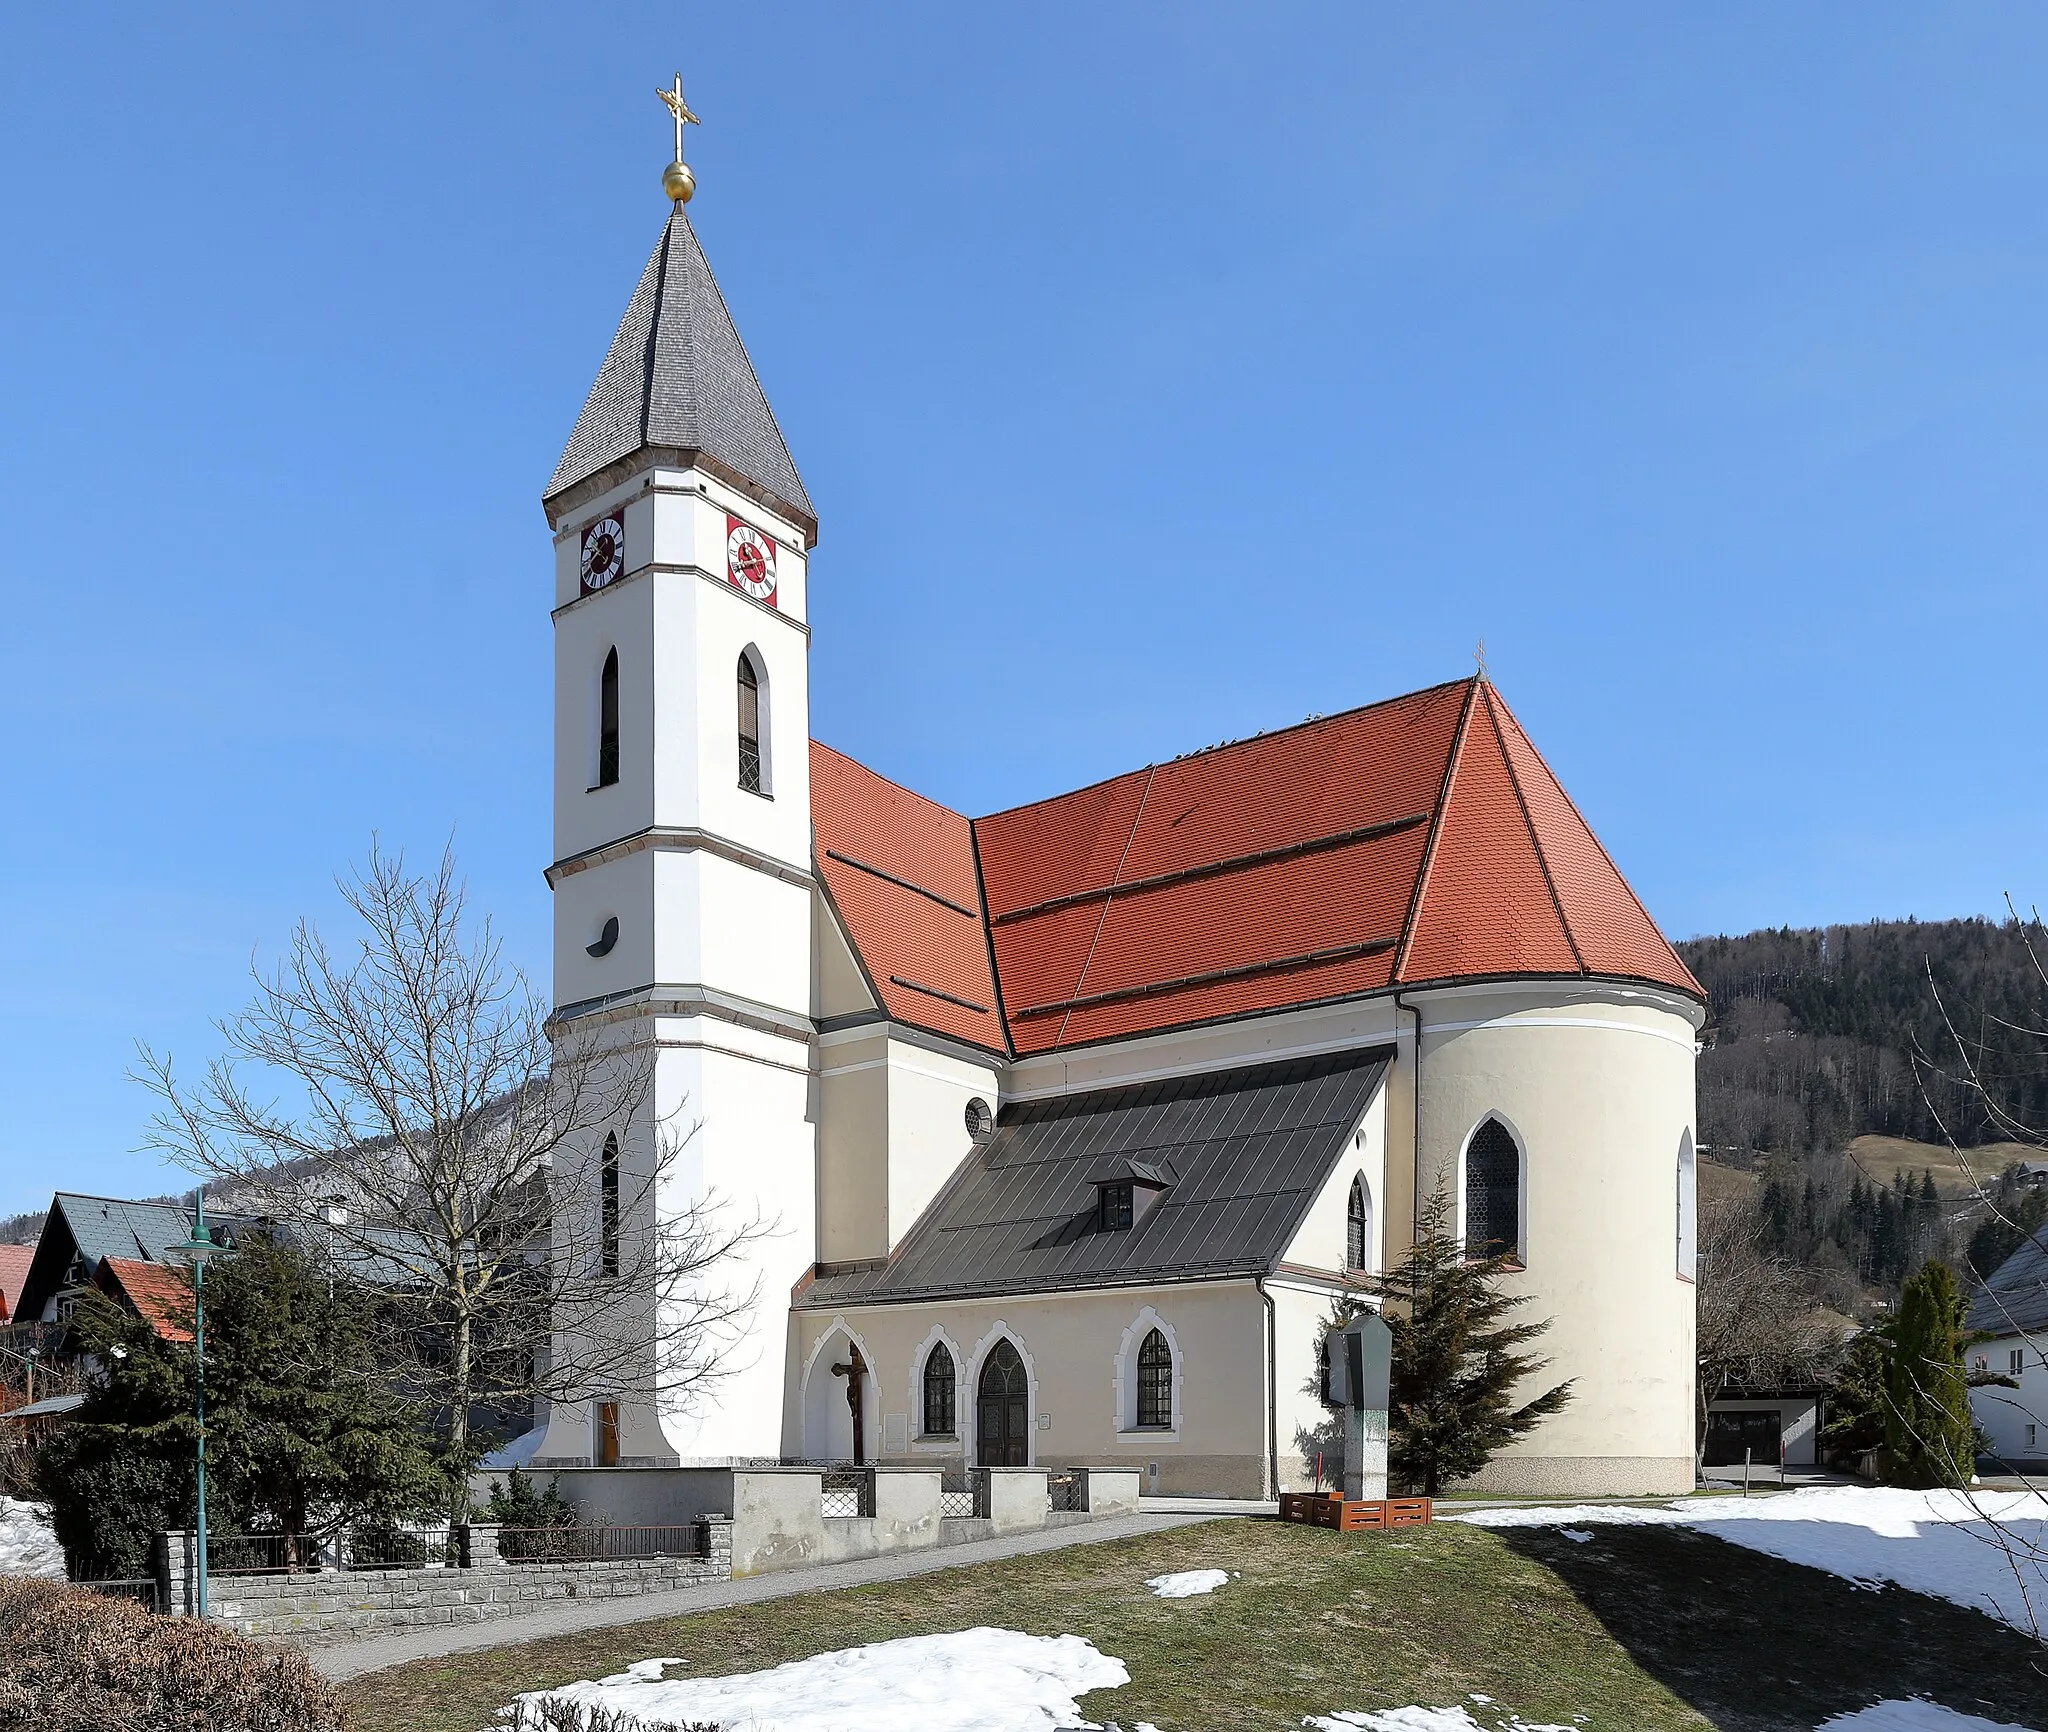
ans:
x=1759 y=1326
x=446 y=1146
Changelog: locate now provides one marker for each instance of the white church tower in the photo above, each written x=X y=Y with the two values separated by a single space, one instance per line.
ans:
x=682 y=836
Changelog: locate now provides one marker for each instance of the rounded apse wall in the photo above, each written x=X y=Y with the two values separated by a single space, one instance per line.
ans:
x=1595 y=1085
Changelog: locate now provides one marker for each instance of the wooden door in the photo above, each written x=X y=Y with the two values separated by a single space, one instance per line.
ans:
x=1003 y=1411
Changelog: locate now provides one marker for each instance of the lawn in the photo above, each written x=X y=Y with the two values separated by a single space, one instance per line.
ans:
x=1643 y=1628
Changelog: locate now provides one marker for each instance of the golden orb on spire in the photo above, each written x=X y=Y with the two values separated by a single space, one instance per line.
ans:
x=677 y=180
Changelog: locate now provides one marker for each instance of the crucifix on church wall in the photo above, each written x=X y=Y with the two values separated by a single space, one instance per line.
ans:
x=854 y=1369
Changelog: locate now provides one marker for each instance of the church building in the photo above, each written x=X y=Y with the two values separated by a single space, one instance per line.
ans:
x=1068 y=1124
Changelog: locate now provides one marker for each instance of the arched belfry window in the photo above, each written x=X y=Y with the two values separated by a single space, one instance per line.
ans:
x=1688 y=1209
x=1155 y=1382
x=1358 y=1226
x=608 y=721
x=1493 y=1193
x=608 y=1207
x=751 y=777
x=939 y=1381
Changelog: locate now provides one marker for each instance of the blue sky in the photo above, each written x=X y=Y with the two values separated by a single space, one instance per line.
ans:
x=1160 y=374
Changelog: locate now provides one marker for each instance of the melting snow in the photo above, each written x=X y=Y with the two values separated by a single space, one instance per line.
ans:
x=1185 y=1582
x=970 y=1681
x=1945 y=1543
x=1914 y=1716
x=1578 y=1536
x=28 y=1547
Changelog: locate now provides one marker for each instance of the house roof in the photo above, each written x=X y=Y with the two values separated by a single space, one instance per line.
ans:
x=2015 y=1300
x=1247 y=1148
x=677 y=378
x=1417 y=841
x=85 y=1229
x=153 y=1292
x=14 y=1266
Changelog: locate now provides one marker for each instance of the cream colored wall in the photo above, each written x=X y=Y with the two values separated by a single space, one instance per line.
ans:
x=1597 y=1084
x=853 y=1145
x=1076 y=1349
x=1323 y=1237
x=928 y=1136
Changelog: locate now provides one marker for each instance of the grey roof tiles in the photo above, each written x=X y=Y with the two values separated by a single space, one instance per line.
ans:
x=677 y=378
x=1247 y=1150
x=2015 y=1300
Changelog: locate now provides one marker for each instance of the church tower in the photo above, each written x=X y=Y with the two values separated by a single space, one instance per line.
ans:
x=682 y=819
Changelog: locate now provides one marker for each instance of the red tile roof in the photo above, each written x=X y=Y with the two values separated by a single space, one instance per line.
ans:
x=159 y=1296
x=900 y=870
x=1418 y=840
x=14 y=1265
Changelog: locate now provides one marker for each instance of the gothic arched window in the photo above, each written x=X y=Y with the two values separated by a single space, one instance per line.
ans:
x=1358 y=1226
x=1493 y=1193
x=751 y=778
x=1688 y=1209
x=1155 y=1382
x=608 y=1206
x=938 y=1391
x=608 y=721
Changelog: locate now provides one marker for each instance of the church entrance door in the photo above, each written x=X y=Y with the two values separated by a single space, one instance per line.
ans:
x=1002 y=1410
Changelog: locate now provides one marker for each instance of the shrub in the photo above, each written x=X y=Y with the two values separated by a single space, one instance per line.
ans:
x=537 y=1520
x=562 y=1714
x=75 y=1662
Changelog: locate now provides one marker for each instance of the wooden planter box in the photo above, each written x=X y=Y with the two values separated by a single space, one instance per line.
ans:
x=1329 y=1510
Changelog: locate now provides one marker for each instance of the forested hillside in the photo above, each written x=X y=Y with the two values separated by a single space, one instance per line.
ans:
x=1818 y=1037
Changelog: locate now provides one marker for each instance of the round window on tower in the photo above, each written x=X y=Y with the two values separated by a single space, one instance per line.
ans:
x=980 y=1121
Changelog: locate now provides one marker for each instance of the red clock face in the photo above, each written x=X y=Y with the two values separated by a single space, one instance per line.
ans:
x=749 y=560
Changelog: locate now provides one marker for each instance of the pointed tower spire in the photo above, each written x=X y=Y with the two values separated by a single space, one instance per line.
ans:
x=677 y=379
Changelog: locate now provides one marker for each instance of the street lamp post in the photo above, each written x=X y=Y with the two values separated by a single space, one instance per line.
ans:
x=196 y=1251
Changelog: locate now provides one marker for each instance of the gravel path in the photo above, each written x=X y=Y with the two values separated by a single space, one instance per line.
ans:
x=351 y=1658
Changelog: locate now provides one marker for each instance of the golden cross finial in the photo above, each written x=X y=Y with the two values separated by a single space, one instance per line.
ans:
x=676 y=180
x=681 y=110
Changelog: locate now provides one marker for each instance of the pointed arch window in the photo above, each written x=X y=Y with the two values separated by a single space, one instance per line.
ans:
x=751 y=777
x=1493 y=1193
x=608 y=721
x=1358 y=1226
x=608 y=1206
x=939 y=1382
x=1155 y=1383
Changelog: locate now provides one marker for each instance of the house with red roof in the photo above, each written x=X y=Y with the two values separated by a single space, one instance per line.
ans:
x=1065 y=1126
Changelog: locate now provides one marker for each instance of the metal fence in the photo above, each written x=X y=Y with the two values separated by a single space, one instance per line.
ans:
x=846 y=1491
x=594 y=1545
x=146 y=1591
x=358 y=1548
x=1066 y=1493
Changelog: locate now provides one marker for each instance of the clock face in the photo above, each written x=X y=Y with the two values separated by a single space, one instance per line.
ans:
x=750 y=560
x=604 y=552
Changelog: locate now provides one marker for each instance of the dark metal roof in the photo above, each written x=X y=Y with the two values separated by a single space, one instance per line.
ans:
x=90 y=1228
x=677 y=378
x=2015 y=1300
x=1248 y=1150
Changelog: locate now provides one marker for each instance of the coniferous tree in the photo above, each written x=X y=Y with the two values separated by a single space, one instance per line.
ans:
x=304 y=1432
x=1928 y=1436
x=1456 y=1359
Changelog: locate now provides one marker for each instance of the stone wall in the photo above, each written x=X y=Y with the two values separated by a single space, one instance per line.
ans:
x=352 y=1602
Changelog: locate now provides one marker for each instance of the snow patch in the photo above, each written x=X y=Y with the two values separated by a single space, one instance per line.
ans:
x=28 y=1545
x=1183 y=1583
x=518 y=1453
x=1578 y=1536
x=978 y=1680
x=1945 y=1543
x=1914 y=1716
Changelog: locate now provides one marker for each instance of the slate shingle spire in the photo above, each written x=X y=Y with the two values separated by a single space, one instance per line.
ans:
x=677 y=378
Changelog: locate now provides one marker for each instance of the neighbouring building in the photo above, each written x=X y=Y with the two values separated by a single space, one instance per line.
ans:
x=1072 y=1121
x=2012 y=1308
